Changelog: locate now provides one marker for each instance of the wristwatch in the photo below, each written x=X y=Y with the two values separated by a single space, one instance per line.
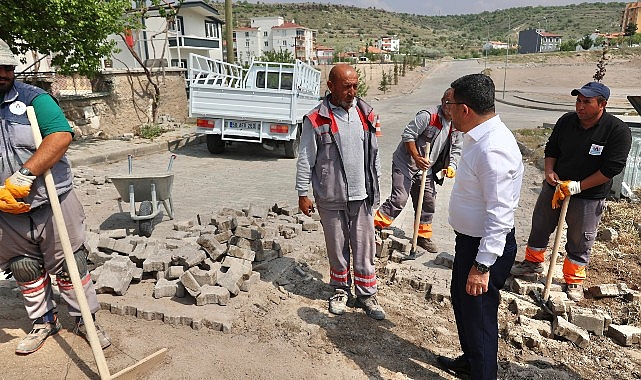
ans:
x=25 y=171
x=482 y=268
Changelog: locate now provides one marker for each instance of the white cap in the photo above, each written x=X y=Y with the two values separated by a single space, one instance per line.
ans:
x=6 y=56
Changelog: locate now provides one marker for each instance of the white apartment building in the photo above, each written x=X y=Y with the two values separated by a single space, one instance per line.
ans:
x=274 y=34
x=389 y=43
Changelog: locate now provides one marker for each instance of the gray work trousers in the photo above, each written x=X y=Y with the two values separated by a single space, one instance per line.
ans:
x=34 y=234
x=351 y=231
x=583 y=217
x=402 y=188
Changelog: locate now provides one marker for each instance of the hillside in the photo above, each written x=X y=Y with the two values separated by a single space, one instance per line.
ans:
x=348 y=28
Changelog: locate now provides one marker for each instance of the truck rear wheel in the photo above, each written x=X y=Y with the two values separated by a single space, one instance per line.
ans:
x=291 y=146
x=215 y=144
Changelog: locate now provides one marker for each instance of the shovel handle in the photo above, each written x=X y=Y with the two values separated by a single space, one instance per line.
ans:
x=555 y=248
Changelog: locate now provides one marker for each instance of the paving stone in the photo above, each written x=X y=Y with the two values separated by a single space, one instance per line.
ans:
x=246 y=285
x=166 y=288
x=205 y=219
x=224 y=236
x=210 y=294
x=225 y=222
x=624 y=335
x=593 y=320
x=444 y=259
x=241 y=253
x=604 y=290
x=266 y=255
x=188 y=256
x=159 y=261
x=174 y=272
x=183 y=225
x=206 y=277
x=543 y=327
x=254 y=245
x=214 y=248
x=232 y=273
x=115 y=276
x=575 y=334
x=189 y=282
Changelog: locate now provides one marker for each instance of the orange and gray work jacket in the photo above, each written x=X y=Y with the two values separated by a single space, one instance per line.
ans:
x=325 y=169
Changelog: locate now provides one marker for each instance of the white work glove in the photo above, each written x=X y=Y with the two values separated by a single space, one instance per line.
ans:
x=19 y=185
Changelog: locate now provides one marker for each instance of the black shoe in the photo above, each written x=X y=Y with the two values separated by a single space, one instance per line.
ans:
x=459 y=367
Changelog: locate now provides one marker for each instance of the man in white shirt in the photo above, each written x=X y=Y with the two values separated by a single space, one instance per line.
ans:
x=482 y=205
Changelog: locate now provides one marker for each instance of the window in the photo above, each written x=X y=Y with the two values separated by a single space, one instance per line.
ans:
x=272 y=80
x=176 y=25
x=211 y=29
x=246 y=34
x=247 y=43
x=265 y=34
x=284 y=43
x=266 y=44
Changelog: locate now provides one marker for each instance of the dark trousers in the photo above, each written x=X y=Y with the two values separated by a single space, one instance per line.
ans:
x=476 y=317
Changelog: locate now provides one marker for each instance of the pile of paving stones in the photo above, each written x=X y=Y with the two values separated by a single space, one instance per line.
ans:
x=210 y=258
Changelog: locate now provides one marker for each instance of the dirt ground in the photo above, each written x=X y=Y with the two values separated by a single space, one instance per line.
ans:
x=282 y=329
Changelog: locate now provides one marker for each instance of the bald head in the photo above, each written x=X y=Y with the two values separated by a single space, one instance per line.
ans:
x=343 y=84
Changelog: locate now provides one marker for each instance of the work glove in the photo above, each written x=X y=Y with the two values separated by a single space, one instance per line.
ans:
x=9 y=204
x=564 y=189
x=19 y=185
x=449 y=172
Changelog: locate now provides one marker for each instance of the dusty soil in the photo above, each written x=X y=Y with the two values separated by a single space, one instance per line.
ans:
x=282 y=329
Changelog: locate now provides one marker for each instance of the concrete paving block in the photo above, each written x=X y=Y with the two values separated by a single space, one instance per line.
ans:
x=210 y=294
x=122 y=247
x=254 y=211
x=99 y=258
x=575 y=334
x=183 y=225
x=205 y=277
x=593 y=320
x=205 y=219
x=150 y=315
x=444 y=259
x=174 y=272
x=190 y=283
x=188 y=256
x=165 y=288
x=214 y=248
x=178 y=235
x=525 y=308
x=224 y=236
x=208 y=230
x=604 y=290
x=543 y=327
x=400 y=244
x=254 y=245
x=246 y=285
x=632 y=296
x=624 y=335
x=232 y=273
x=119 y=233
x=115 y=276
x=158 y=261
x=267 y=255
x=225 y=222
x=241 y=253
x=106 y=244
x=212 y=324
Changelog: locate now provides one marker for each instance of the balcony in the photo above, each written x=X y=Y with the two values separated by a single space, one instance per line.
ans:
x=194 y=42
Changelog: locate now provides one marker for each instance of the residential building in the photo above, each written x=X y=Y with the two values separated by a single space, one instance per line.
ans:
x=495 y=45
x=538 y=41
x=379 y=54
x=632 y=15
x=389 y=43
x=325 y=55
x=196 y=29
x=274 y=34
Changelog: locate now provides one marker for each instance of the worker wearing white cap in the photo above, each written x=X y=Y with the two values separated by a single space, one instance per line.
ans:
x=31 y=248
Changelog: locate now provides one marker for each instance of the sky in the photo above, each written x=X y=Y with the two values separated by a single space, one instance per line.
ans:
x=439 y=7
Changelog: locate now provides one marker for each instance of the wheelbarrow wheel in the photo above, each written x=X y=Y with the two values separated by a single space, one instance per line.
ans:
x=145 y=227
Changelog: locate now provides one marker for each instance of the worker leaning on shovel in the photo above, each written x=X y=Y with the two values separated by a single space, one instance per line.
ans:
x=428 y=143
x=586 y=149
x=31 y=247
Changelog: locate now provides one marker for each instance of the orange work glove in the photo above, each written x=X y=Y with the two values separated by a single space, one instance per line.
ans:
x=564 y=189
x=19 y=185
x=9 y=204
x=449 y=172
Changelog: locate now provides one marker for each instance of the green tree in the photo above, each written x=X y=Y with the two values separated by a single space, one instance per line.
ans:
x=630 y=29
x=284 y=56
x=586 y=43
x=384 y=83
x=569 y=45
x=361 y=90
x=73 y=32
x=395 y=72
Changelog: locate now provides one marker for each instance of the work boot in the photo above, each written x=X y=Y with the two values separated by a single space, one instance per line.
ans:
x=526 y=267
x=338 y=302
x=427 y=244
x=371 y=306
x=459 y=367
x=39 y=333
x=103 y=338
x=574 y=292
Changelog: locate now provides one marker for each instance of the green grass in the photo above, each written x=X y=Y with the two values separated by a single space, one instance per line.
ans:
x=151 y=130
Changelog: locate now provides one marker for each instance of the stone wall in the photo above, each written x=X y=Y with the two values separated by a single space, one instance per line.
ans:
x=123 y=102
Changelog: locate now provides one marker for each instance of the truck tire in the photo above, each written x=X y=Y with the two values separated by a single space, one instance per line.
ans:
x=215 y=144
x=145 y=227
x=291 y=146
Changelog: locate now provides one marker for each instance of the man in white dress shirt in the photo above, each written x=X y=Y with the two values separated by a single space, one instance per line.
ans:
x=482 y=205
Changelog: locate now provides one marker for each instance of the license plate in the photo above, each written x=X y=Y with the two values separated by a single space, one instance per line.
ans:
x=242 y=125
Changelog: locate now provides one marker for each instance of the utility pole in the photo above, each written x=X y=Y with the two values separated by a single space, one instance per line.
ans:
x=487 y=41
x=229 y=32
x=507 y=51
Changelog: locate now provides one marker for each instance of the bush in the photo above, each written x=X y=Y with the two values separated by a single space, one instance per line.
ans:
x=151 y=130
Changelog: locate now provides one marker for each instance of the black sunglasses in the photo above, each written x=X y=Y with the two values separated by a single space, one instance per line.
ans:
x=8 y=67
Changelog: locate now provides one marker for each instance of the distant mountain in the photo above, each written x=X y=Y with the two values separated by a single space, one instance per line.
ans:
x=348 y=28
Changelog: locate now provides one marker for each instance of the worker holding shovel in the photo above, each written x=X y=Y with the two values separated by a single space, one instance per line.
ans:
x=586 y=149
x=32 y=248
x=429 y=151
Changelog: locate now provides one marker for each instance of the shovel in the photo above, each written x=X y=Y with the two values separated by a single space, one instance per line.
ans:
x=555 y=249
x=72 y=267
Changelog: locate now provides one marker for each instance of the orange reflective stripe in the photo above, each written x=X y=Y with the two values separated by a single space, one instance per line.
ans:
x=425 y=230
x=573 y=273
x=381 y=220
x=534 y=255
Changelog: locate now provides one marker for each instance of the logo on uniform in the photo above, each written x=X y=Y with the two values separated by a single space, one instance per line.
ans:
x=18 y=108
x=596 y=150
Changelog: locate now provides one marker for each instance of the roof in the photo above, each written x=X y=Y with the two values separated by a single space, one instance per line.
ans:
x=288 y=25
x=546 y=34
x=371 y=49
x=321 y=47
x=247 y=28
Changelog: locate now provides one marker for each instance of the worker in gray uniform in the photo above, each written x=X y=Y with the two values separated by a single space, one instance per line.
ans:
x=31 y=247
x=430 y=131
x=339 y=156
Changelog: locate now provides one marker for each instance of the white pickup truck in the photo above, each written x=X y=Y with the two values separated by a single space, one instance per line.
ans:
x=263 y=104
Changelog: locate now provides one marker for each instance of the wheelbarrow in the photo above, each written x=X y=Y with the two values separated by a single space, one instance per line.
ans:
x=149 y=191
